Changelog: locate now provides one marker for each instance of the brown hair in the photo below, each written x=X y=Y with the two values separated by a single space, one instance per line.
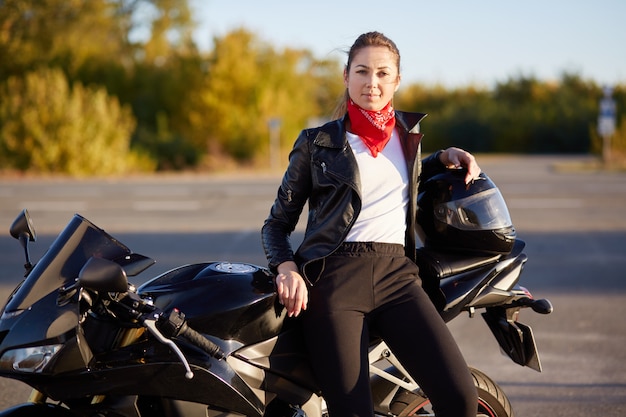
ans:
x=365 y=40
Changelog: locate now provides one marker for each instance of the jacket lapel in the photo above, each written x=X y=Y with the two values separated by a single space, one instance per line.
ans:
x=335 y=154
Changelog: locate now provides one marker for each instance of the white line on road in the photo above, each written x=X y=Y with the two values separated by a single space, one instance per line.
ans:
x=54 y=205
x=166 y=205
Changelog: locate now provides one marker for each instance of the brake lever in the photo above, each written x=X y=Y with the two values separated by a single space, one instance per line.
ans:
x=150 y=324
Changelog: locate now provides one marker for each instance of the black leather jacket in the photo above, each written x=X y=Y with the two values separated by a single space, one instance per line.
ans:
x=323 y=171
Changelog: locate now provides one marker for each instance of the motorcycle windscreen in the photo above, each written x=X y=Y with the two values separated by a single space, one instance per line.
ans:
x=60 y=265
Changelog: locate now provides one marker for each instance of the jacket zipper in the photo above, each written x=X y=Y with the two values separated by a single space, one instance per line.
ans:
x=344 y=234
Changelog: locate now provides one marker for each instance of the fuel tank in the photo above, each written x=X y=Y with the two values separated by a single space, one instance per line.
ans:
x=231 y=301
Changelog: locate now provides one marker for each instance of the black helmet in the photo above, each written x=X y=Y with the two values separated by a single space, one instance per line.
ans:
x=455 y=216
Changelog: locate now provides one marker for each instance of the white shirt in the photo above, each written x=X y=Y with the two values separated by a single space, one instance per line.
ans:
x=384 y=192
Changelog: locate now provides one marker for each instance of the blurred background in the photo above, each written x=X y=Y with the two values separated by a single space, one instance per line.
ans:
x=114 y=87
x=168 y=123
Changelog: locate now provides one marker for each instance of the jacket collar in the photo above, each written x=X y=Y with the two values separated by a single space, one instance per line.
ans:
x=332 y=134
x=409 y=120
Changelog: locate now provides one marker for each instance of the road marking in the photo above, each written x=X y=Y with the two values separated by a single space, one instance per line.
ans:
x=166 y=205
x=54 y=205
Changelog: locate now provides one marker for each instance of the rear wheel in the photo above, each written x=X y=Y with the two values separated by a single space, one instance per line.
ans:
x=492 y=402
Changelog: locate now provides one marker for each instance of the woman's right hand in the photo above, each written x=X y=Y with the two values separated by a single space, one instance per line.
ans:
x=292 y=290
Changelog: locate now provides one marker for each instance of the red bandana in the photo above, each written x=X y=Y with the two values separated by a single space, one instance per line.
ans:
x=373 y=127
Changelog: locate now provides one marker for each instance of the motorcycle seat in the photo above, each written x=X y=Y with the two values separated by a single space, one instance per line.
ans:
x=440 y=264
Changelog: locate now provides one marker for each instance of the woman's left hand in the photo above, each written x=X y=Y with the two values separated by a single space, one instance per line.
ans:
x=458 y=158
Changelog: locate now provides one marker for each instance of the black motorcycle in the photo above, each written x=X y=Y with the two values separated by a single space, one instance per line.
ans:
x=211 y=339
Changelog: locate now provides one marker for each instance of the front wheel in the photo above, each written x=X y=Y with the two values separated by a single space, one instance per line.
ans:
x=492 y=402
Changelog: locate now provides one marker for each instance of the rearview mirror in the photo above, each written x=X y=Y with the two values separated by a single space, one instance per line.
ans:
x=23 y=227
x=103 y=275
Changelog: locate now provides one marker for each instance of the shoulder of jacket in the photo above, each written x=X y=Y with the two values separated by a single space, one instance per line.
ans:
x=409 y=120
x=329 y=135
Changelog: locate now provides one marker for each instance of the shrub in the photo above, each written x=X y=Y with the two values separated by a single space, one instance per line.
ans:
x=48 y=126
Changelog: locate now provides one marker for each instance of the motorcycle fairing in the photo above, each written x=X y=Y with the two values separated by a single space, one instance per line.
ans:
x=283 y=359
x=47 y=323
x=158 y=373
x=451 y=279
x=37 y=315
x=36 y=409
x=60 y=265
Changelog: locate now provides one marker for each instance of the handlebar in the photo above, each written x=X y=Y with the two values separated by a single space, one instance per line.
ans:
x=202 y=342
x=176 y=325
x=152 y=328
x=164 y=328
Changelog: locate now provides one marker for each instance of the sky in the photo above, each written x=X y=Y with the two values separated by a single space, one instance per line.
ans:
x=449 y=42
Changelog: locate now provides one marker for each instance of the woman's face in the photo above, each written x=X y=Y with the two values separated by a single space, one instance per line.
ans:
x=373 y=77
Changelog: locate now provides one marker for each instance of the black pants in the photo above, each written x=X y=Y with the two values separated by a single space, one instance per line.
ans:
x=374 y=284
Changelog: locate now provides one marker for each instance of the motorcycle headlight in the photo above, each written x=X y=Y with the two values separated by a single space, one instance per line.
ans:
x=30 y=359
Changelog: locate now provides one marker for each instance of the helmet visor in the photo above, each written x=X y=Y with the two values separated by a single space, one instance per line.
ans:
x=482 y=211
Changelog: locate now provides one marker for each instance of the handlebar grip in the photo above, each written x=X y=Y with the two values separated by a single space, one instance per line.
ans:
x=202 y=342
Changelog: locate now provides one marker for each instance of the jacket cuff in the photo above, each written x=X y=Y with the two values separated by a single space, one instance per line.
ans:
x=273 y=264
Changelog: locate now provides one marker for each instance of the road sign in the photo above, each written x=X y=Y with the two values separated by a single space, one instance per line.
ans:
x=607 y=114
x=607 y=122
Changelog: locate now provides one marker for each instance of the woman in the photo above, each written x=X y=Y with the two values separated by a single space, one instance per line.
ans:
x=354 y=269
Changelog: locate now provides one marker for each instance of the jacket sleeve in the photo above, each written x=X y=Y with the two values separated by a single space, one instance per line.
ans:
x=431 y=166
x=292 y=195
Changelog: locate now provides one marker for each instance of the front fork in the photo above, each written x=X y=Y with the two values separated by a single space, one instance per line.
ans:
x=37 y=397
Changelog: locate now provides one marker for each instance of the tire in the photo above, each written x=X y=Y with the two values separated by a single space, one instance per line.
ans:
x=492 y=402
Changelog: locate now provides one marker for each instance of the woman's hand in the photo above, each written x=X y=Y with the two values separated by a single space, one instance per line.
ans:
x=457 y=158
x=291 y=288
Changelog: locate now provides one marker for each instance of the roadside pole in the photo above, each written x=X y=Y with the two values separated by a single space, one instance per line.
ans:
x=606 y=123
x=274 y=145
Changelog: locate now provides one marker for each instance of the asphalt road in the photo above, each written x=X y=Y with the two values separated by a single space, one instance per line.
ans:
x=573 y=221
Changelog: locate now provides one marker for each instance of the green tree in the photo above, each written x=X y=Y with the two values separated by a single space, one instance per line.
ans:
x=248 y=84
x=90 y=41
x=171 y=29
x=523 y=115
x=48 y=127
x=458 y=117
x=161 y=100
x=546 y=117
x=71 y=35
